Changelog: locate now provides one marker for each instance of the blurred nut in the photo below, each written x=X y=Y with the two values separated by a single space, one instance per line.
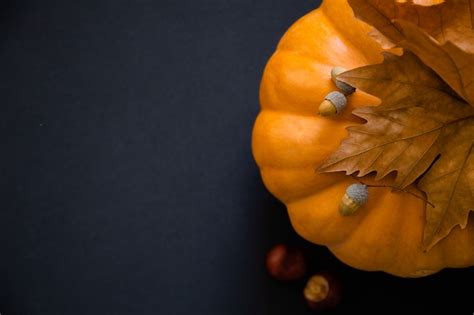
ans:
x=322 y=292
x=286 y=263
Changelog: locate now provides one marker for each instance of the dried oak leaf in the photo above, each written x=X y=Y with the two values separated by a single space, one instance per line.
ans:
x=452 y=64
x=419 y=120
x=451 y=20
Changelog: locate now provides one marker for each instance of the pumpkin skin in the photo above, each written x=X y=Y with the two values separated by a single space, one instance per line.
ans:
x=290 y=141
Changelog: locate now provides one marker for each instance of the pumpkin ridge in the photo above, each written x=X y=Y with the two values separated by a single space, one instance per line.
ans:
x=370 y=45
x=281 y=70
x=315 y=186
x=284 y=46
x=330 y=215
x=366 y=218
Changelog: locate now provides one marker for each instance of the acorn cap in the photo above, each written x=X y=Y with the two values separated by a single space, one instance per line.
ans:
x=336 y=99
x=356 y=195
x=359 y=193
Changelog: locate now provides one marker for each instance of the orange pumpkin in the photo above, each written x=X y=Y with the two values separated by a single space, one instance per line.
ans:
x=290 y=141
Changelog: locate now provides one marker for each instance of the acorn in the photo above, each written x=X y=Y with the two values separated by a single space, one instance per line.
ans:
x=343 y=86
x=333 y=104
x=286 y=263
x=323 y=291
x=355 y=197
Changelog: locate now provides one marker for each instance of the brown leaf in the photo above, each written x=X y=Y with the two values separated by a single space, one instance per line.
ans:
x=454 y=65
x=448 y=21
x=420 y=118
x=449 y=185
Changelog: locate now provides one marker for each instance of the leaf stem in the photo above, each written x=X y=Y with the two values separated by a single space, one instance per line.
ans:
x=397 y=188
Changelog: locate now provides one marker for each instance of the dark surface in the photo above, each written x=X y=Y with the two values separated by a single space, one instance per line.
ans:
x=127 y=181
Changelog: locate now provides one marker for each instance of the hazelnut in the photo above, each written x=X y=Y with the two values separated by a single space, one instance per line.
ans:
x=322 y=292
x=286 y=263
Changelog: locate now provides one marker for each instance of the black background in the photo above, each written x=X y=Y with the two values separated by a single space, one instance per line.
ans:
x=127 y=181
